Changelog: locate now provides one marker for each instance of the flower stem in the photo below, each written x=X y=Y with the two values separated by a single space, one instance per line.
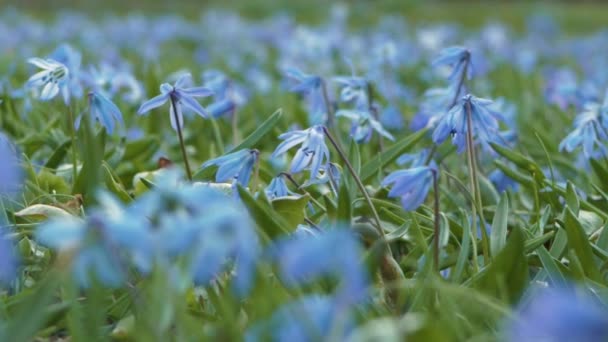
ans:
x=73 y=138
x=328 y=106
x=178 y=124
x=359 y=184
x=298 y=186
x=474 y=181
x=370 y=107
x=235 y=128
x=436 y=222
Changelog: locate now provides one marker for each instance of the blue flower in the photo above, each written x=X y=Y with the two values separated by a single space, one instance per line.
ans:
x=9 y=260
x=180 y=96
x=559 y=315
x=310 y=318
x=484 y=122
x=235 y=166
x=456 y=57
x=363 y=124
x=299 y=82
x=11 y=175
x=277 y=189
x=102 y=245
x=104 y=111
x=412 y=185
x=304 y=258
x=589 y=131
x=227 y=95
x=52 y=79
x=313 y=153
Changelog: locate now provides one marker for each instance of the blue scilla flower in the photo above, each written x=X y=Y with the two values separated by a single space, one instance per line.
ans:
x=235 y=166
x=412 y=185
x=305 y=258
x=52 y=79
x=414 y=159
x=11 y=175
x=9 y=259
x=484 y=122
x=458 y=58
x=435 y=103
x=227 y=95
x=560 y=315
x=309 y=318
x=313 y=153
x=104 y=111
x=102 y=245
x=278 y=188
x=179 y=96
x=363 y=124
x=354 y=90
x=300 y=82
x=589 y=131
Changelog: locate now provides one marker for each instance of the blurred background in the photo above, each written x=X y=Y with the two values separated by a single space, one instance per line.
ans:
x=576 y=16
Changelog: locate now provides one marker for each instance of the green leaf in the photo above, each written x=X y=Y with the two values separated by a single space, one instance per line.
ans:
x=551 y=267
x=260 y=132
x=507 y=276
x=498 y=236
x=268 y=222
x=345 y=210
x=601 y=171
x=389 y=155
x=42 y=211
x=114 y=185
x=141 y=149
x=521 y=161
x=291 y=208
x=580 y=246
x=58 y=155
x=572 y=198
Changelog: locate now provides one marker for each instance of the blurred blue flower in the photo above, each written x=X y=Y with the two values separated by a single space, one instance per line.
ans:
x=9 y=260
x=310 y=318
x=52 y=79
x=311 y=88
x=104 y=111
x=412 y=185
x=304 y=258
x=102 y=245
x=559 y=315
x=313 y=153
x=590 y=131
x=235 y=166
x=11 y=175
x=457 y=57
x=180 y=96
x=484 y=122
x=227 y=95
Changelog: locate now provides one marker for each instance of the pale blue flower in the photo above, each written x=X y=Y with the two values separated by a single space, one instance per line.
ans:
x=590 y=132
x=458 y=58
x=235 y=166
x=104 y=111
x=278 y=188
x=313 y=153
x=363 y=124
x=9 y=259
x=181 y=97
x=412 y=185
x=52 y=79
x=11 y=175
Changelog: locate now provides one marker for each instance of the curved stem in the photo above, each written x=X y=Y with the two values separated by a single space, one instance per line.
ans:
x=359 y=185
x=178 y=124
x=436 y=222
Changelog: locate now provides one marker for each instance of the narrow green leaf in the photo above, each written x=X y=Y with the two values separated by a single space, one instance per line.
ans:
x=58 y=155
x=572 y=198
x=498 y=236
x=260 y=132
x=114 y=185
x=389 y=155
x=551 y=267
x=268 y=222
x=580 y=246
x=345 y=212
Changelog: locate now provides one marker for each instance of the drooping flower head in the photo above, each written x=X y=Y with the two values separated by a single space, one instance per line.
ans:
x=178 y=96
x=313 y=153
x=412 y=185
x=235 y=166
x=590 y=131
x=104 y=111
x=52 y=79
x=484 y=123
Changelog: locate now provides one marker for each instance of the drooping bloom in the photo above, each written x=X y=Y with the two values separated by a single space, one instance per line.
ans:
x=458 y=58
x=313 y=153
x=179 y=96
x=104 y=111
x=235 y=166
x=227 y=95
x=309 y=318
x=363 y=123
x=484 y=122
x=10 y=172
x=412 y=185
x=311 y=88
x=278 y=188
x=559 y=315
x=304 y=258
x=52 y=79
x=590 y=131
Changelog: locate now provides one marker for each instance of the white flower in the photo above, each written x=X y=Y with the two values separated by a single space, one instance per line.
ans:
x=52 y=78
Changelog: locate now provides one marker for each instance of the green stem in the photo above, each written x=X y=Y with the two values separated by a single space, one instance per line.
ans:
x=235 y=128
x=298 y=186
x=474 y=181
x=181 y=138
x=328 y=107
x=74 y=153
x=436 y=222
x=361 y=187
